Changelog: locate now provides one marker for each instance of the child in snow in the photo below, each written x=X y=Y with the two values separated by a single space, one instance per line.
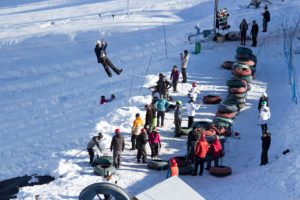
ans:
x=154 y=142
x=136 y=130
x=200 y=153
x=266 y=142
x=193 y=93
x=103 y=100
x=173 y=169
x=92 y=143
x=214 y=152
x=117 y=146
x=141 y=141
x=263 y=116
x=175 y=78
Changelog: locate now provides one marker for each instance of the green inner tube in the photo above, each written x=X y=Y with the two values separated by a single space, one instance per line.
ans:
x=201 y=124
x=186 y=170
x=246 y=78
x=103 y=170
x=235 y=83
x=244 y=50
x=104 y=160
x=158 y=164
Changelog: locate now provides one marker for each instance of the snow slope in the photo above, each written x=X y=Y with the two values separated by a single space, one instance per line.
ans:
x=51 y=87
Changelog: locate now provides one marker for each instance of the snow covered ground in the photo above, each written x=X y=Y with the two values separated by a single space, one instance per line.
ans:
x=51 y=86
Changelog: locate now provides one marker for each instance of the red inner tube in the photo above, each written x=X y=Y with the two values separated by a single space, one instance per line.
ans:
x=248 y=62
x=239 y=90
x=227 y=64
x=210 y=99
x=209 y=132
x=218 y=130
x=226 y=115
x=242 y=71
x=220 y=171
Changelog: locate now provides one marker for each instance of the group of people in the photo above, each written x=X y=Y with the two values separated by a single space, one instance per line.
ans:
x=254 y=28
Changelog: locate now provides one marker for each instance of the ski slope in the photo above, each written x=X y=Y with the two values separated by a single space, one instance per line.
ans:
x=51 y=86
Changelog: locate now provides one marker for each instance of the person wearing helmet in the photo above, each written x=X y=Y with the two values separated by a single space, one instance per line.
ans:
x=200 y=153
x=178 y=118
x=264 y=116
x=100 y=51
x=92 y=143
x=117 y=146
x=193 y=93
x=173 y=169
x=136 y=129
x=175 y=77
x=141 y=141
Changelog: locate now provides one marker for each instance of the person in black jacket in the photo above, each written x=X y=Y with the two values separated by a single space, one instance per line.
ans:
x=100 y=51
x=266 y=19
x=149 y=118
x=264 y=97
x=117 y=146
x=141 y=141
x=266 y=142
x=243 y=29
x=253 y=33
x=193 y=138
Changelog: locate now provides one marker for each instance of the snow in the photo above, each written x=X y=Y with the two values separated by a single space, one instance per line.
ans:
x=51 y=86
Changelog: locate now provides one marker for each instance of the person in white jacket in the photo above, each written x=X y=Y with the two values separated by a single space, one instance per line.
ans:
x=184 y=58
x=263 y=116
x=194 y=92
x=191 y=109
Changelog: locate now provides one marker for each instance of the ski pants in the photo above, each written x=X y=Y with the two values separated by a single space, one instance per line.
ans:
x=199 y=161
x=254 y=39
x=174 y=85
x=133 y=141
x=160 y=114
x=184 y=76
x=191 y=121
x=216 y=161
x=265 y=26
x=264 y=156
x=141 y=153
x=264 y=128
x=92 y=154
x=117 y=158
x=154 y=149
x=243 y=37
x=106 y=64
x=178 y=127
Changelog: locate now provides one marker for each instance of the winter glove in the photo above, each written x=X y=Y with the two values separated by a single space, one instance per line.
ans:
x=159 y=145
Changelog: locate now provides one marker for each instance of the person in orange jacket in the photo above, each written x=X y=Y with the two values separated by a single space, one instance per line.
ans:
x=136 y=130
x=173 y=169
x=200 y=153
x=214 y=153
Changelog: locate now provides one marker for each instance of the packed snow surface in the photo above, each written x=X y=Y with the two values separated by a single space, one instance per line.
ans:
x=51 y=85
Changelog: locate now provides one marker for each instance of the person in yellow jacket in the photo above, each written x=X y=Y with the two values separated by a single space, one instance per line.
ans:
x=136 y=130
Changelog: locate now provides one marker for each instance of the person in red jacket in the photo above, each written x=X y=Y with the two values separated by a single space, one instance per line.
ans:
x=173 y=169
x=200 y=153
x=214 y=152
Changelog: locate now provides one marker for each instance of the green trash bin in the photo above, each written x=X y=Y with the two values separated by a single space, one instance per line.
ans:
x=198 y=48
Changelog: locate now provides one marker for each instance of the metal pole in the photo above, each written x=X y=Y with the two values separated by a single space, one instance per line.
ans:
x=50 y=9
x=215 y=15
x=145 y=75
x=127 y=7
x=165 y=40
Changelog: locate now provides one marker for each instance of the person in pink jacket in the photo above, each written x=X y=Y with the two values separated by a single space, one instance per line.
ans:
x=154 y=142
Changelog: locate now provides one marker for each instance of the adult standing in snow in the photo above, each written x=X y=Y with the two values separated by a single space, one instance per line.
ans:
x=266 y=18
x=148 y=118
x=175 y=78
x=200 y=153
x=214 y=152
x=92 y=143
x=191 y=110
x=100 y=51
x=264 y=116
x=192 y=140
x=161 y=105
x=162 y=86
x=243 y=29
x=266 y=142
x=264 y=97
x=184 y=61
x=117 y=146
x=173 y=169
x=254 y=33
x=178 y=118
x=136 y=130
x=141 y=141
x=193 y=93
x=154 y=142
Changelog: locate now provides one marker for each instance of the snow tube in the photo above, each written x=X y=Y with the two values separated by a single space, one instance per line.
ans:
x=246 y=78
x=250 y=63
x=234 y=101
x=253 y=58
x=244 y=50
x=184 y=165
x=227 y=108
x=209 y=132
x=201 y=124
x=211 y=99
x=220 y=171
x=238 y=90
x=253 y=70
x=108 y=160
x=241 y=57
x=157 y=164
x=227 y=64
x=223 y=124
x=238 y=95
x=185 y=130
x=103 y=188
x=236 y=83
x=105 y=169
x=223 y=119
x=242 y=71
x=226 y=115
x=218 y=130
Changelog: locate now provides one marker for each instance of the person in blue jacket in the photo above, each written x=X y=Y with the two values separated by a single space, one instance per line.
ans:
x=161 y=105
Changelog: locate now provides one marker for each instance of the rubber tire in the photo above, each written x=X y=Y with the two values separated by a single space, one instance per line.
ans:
x=185 y=131
x=238 y=95
x=227 y=64
x=218 y=130
x=157 y=164
x=226 y=115
x=220 y=171
x=209 y=132
x=249 y=62
x=242 y=71
x=238 y=90
x=244 y=50
x=227 y=108
x=101 y=170
x=236 y=65
x=182 y=161
x=211 y=99
x=242 y=57
x=104 y=160
x=246 y=78
x=222 y=119
x=236 y=83
x=91 y=191
x=201 y=124
x=234 y=101
x=186 y=170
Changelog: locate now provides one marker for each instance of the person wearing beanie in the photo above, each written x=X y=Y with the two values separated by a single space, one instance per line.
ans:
x=117 y=146
x=264 y=97
x=214 y=153
x=266 y=142
x=154 y=142
x=178 y=118
x=191 y=110
x=175 y=77
x=254 y=33
x=173 y=169
x=100 y=51
x=264 y=116
x=136 y=130
x=193 y=93
x=148 y=118
x=141 y=141
x=200 y=153
x=92 y=143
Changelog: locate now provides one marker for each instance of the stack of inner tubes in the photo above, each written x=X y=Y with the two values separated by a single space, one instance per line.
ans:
x=245 y=56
